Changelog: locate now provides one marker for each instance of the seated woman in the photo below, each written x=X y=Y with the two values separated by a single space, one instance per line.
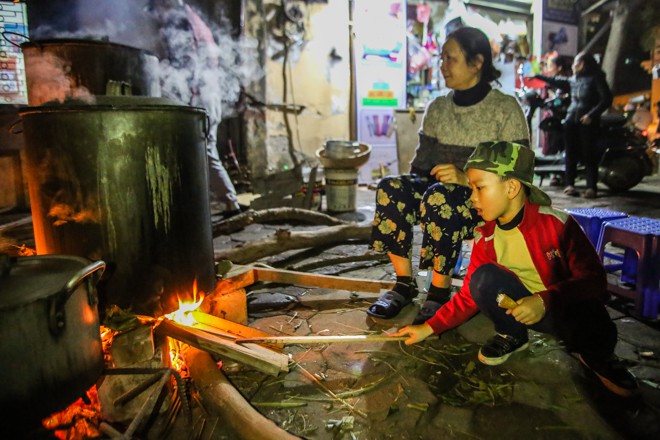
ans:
x=436 y=194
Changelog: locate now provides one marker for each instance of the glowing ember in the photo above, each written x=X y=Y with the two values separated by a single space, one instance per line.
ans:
x=79 y=421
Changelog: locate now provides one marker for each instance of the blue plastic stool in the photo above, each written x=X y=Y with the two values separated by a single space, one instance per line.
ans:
x=592 y=220
x=642 y=236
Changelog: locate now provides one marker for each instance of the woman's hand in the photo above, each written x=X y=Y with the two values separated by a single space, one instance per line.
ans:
x=448 y=173
x=417 y=333
x=586 y=120
x=529 y=311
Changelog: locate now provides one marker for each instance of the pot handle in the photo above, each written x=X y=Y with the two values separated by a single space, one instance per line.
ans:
x=56 y=318
x=5 y=33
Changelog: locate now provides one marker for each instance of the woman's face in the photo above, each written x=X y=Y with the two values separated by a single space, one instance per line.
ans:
x=458 y=74
x=578 y=65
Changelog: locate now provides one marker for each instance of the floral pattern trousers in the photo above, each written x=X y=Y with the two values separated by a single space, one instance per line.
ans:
x=444 y=212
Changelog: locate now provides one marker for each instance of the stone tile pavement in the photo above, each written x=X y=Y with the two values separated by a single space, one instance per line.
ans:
x=438 y=389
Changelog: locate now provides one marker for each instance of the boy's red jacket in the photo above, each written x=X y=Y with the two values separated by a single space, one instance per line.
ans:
x=564 y=257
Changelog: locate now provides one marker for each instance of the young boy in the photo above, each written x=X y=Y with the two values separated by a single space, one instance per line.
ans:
x=538 y=256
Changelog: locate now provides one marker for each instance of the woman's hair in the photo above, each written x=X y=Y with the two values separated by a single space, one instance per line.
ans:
x=473 y=43
x=563 y=64
x=591 y=66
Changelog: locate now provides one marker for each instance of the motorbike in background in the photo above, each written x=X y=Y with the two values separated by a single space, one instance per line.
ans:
x=623 y=148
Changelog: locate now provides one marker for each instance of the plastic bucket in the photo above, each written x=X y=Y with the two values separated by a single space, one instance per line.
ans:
x=340 y=189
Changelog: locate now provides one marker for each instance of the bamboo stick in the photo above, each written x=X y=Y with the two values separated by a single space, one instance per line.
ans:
x=321 y=339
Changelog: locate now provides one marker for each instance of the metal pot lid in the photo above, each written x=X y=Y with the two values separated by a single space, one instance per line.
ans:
x=106 y=102
x=32 y=278
x=81 y=42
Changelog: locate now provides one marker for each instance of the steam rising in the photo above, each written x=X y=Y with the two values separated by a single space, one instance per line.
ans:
x=202 y=65
x=50 y=81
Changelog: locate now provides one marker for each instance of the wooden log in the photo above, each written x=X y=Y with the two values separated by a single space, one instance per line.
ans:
x=260 y=359
x=284 y=241
x=322 y=339
x=223 y=400
x=240 y=221
x=318 y=280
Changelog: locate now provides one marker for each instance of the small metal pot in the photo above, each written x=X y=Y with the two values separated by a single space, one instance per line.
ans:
x=50 y=342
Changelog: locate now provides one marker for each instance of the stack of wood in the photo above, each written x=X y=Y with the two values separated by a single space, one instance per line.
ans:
x=220 y=336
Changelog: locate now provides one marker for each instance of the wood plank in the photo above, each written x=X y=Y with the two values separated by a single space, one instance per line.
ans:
x=263 y=360
x=231 y=328
x=237 y=278
x=318 y=280
x=323 y=339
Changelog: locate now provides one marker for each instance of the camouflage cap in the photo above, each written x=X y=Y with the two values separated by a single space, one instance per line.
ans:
x=508 y=159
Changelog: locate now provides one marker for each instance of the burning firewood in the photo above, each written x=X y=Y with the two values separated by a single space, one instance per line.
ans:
x=256 y=356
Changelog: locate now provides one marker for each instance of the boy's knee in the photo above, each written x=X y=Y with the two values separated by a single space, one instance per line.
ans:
x=484 y=279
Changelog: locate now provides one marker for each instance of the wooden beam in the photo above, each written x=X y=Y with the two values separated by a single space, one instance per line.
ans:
x=260 y=358
x=238 y=278
x=317 y=280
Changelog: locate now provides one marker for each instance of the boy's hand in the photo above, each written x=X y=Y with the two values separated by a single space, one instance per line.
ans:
x=448 y=173
x=530 y=310
x=417 y=333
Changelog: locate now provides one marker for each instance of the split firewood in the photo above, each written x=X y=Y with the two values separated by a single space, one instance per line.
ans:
x=240 y=221
x=256 y=250
x=253 y=355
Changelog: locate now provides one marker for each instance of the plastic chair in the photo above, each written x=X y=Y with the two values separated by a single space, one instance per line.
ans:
x=592 y=220
x=642 y=236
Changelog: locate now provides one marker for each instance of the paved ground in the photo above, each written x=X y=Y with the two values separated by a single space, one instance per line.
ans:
x=438 y=389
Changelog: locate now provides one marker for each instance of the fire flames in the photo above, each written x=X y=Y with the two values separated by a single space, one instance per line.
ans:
x=183 y=316
x=82 y=418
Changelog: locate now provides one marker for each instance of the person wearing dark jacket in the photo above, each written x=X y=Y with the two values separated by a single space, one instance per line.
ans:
x=590 y=97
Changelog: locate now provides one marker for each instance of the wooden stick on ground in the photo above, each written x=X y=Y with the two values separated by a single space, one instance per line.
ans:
x=251 y=216
x=287 y=240
x=223 y=400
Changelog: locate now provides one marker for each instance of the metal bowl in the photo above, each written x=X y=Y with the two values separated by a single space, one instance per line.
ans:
x=337 y=149
x=360 y=157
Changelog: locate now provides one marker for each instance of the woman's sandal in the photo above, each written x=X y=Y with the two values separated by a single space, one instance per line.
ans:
x=388 y=305
x=427 y=311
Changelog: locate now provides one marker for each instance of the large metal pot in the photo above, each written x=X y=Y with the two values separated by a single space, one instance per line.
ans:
x=50 y=342
x=60 y=68
x=124 y=181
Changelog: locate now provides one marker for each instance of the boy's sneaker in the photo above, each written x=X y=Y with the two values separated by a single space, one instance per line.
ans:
x=498 y=349
x=613 y=375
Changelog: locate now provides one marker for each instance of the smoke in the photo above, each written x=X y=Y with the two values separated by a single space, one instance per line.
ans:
x=201 y=64
x=48 y=80
x=204 y=66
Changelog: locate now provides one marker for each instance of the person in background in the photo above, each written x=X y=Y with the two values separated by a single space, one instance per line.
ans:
x=590 y=97
x=552 y=138
x=542 y=260
x=435 y=193
x=190 y=73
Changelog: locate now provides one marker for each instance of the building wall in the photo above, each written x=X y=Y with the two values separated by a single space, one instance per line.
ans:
x=317 y=78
